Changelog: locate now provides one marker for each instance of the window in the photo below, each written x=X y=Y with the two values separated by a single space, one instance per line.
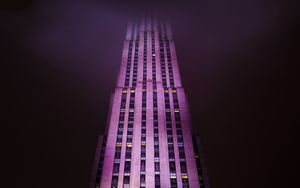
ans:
x=171 y=155
x=114 y=182
x=127 y=167
x=156 y=166
x=143 y=139
x=180 y=139
x=172 y=167
x=119 y=139
x=130 y=124
x=143 y=151
x=143 y=181
x=129 y=139
x=129 y=132
x=157 y=181
x=126 y=180
x=173 y=182
x=156 y=153
x=179 y=132
x=117 y=155
x=183 y=167
x=185 y=181
x=116 y=168
x=143 y=165
x=181 y=155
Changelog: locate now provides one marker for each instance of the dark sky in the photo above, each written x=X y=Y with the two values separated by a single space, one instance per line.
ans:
x=61 y=60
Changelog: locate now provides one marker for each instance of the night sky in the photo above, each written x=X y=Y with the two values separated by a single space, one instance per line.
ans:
x=61 y=61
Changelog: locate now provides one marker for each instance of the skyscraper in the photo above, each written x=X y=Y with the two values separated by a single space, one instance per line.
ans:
x=148 y=141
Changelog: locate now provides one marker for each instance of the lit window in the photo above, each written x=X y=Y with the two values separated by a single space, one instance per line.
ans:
x=129 y=145
x=118 y=145
x=184 y=176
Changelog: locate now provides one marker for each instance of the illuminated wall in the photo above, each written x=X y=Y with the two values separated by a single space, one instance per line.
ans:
x=148 y=142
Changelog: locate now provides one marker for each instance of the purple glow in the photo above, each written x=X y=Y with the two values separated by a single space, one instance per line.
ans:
x=175 y=158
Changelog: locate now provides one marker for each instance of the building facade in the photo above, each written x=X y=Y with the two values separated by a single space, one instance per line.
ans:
x=148 y=141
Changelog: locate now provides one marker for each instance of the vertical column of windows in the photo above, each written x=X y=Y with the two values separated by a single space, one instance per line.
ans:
x=128 y=151
x=170 y=138
x=144 y=105
x=162 y=57
x=172 y=166
x=155 y=113
x=169 y=59
x=183 y=167
x=198 y=162
x=170 y=67
x=100 y=163
x=135 y=61
x=128 y=67
x=117 y=156
x=145 y=61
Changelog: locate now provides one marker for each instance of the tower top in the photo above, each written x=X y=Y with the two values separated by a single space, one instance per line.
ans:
x=148 y=23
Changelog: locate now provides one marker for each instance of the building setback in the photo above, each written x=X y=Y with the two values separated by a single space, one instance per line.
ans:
x=148 y=141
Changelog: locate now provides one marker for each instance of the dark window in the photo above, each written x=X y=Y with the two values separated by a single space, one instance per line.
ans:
x=117 y=155
x=116 y=168
x=183 y=167
x=172 y=167
x=126 y=179
x=143 y=165
x=119 y=139
x=143 y=138
x=143 y=180
x=114 y=182
x=171 y=155
x=127 y=167
x=157 y=181
x=173 y=183
x=156 y=166
x=129 y=139
x=179 y=132
x=181 y=155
